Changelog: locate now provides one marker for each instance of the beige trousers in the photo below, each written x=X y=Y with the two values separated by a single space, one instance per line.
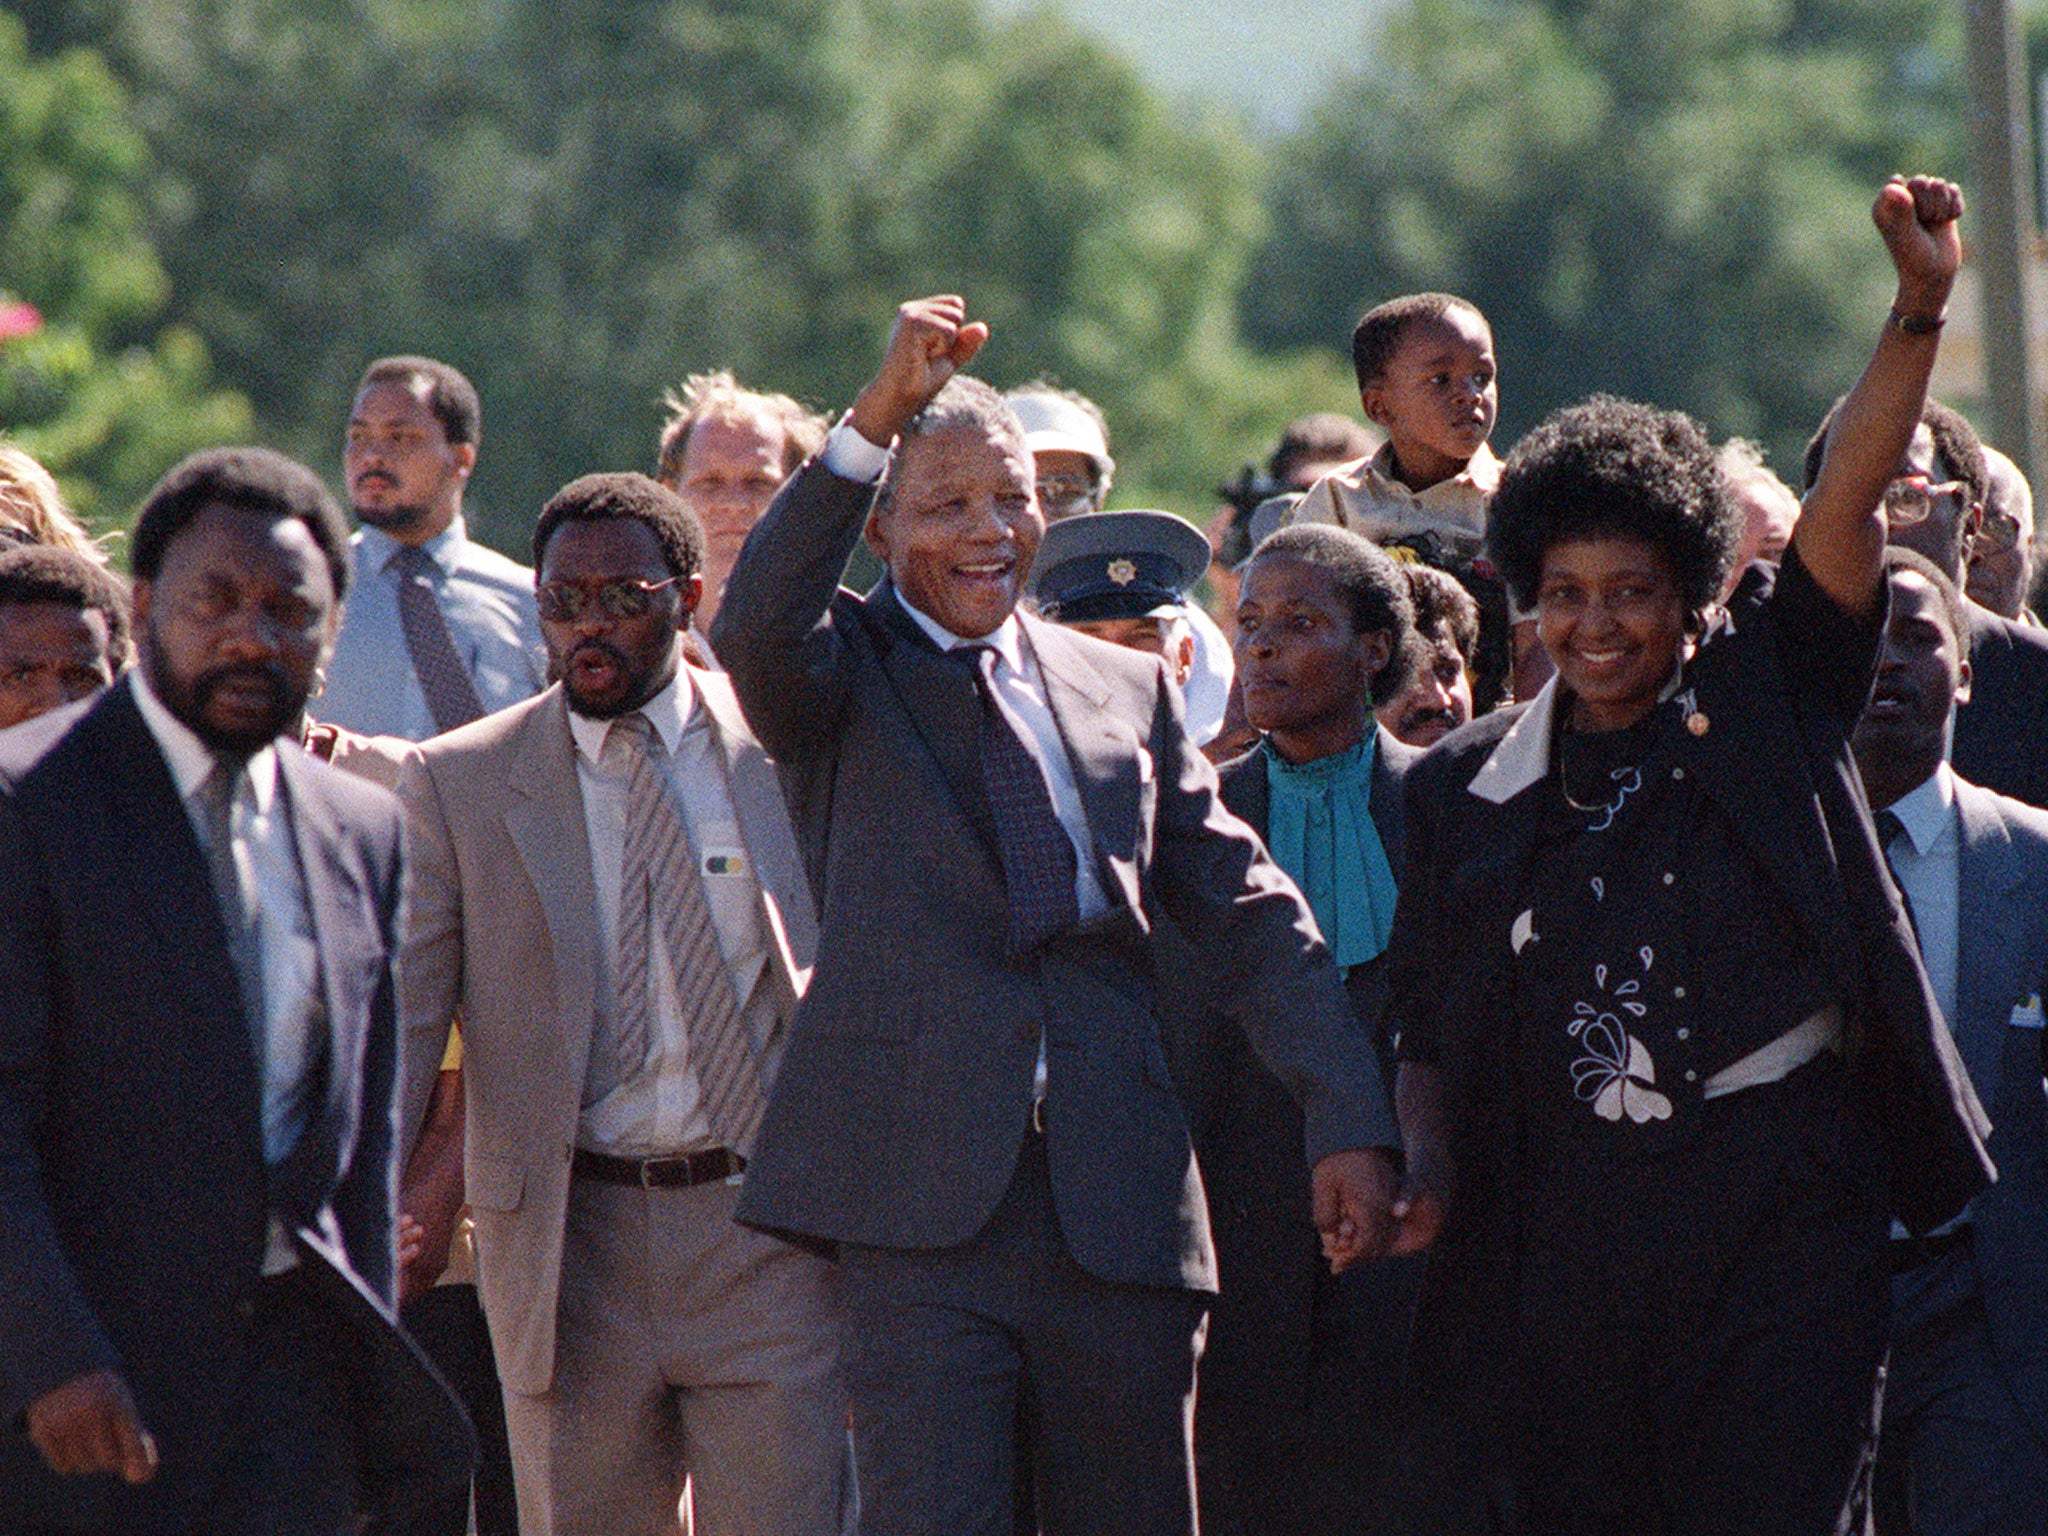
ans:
x=686 y=1346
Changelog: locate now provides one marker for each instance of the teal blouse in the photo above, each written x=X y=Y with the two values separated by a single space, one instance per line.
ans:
x=1320 y=828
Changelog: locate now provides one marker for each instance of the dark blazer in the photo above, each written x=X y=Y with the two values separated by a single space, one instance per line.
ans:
x=134 y=1199
x=1778 y=760
x=1245 y=1127
x=2001 y=740
x=903 y=1101
x=2001 y=975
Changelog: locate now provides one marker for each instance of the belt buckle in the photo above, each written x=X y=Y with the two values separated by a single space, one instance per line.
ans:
x=647 y=1167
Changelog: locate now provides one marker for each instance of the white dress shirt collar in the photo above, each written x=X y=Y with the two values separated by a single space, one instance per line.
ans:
x=1927 y=811
x=669 y=712
x=1006 y=639
x=190 y=759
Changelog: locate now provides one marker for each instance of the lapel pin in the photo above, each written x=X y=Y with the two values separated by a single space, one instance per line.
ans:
x=1696 y=722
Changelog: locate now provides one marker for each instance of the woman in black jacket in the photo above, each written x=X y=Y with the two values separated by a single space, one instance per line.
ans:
x=1669 y=1064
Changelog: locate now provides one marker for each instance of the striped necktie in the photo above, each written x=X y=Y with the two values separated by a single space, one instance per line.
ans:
x=661 y=891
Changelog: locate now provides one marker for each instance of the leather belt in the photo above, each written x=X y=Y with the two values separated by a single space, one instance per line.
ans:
x=1910 y=1253
x=683 y=1172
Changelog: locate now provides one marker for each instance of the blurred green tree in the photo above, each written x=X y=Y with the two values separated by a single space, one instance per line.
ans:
x=1667 y=201
x=579 y=204
x=91 y=382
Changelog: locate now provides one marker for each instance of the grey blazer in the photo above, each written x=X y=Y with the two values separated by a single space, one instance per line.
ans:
x=2002 y=969
x=905 y=1095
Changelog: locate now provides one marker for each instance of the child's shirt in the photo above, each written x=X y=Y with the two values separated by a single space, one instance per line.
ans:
x=1366 y=498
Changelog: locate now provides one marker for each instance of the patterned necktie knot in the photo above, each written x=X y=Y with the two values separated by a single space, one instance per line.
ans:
x=451 y=693
x=1039 y=862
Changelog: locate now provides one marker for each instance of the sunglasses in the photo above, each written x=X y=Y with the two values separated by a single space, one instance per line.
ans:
x=1909 y=499
x=563 y=602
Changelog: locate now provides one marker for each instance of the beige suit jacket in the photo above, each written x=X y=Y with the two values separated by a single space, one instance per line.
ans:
x=502 y=928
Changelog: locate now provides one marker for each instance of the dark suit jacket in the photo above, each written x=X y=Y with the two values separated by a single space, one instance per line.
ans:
x=902 y=1104
x=134 y=1199
x=1246 y=1129
x=2001 y=740
x=1778 y=760
x=2002 y=969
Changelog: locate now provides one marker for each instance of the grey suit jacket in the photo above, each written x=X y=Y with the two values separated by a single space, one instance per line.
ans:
x=904 y=1099
x=502 y=927
x=134 y=1199
x=2001 y=969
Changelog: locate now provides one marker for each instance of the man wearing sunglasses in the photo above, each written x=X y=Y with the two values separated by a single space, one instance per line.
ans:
x=607 y=889
x=1936 y=508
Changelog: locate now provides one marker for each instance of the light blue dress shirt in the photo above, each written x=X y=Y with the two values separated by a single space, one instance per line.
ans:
x=488 y=603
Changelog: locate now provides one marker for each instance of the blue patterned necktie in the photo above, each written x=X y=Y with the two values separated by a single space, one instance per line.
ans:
x=450 y=690
x=1037 y=854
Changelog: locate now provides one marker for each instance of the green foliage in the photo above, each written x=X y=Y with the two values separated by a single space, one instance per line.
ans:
x=579 y=205
x=97 y=393
x=1667 y=201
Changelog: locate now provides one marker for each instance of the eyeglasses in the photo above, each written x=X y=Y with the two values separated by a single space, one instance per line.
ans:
x=1999 y=532
x=1063 y=490
x=563 y=602
x=1909 y=499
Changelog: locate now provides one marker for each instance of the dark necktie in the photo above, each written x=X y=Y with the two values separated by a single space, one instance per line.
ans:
x=1889 y=829
x=450 y=690
x=1038 y=856
x=233 y=889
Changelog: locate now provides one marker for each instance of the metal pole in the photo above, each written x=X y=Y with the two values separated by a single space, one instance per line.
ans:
x=2002 y=199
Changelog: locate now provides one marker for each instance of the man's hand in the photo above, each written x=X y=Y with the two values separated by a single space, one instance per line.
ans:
x=1418 y=1217
x=90 y=1425
x=1917 y=219
x=1353 y=1195
x=422 y=1255
x=932 y=340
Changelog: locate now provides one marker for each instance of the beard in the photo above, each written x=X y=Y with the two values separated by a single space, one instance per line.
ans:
x=189 y=698
x=393 y=518
x=632 y=691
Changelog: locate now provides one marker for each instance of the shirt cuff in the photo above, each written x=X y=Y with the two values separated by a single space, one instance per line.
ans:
x=852 y=457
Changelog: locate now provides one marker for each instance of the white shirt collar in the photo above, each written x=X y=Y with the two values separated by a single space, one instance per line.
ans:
x=190 y=759
x=668 y=712
x=1006 y=639
x=378 y=547
x=1522 y=756
x=1928 y=810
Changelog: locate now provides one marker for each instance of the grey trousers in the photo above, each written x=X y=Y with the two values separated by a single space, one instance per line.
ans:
x=939 y=1343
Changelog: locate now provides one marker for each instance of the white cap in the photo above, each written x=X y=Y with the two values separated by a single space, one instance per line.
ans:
x=1054 y=424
